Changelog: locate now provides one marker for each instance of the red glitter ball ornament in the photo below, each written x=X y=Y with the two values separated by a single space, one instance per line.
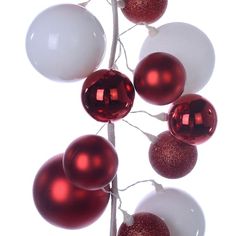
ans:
x=159 y=78
x=171 y=157
x=90 y=162
x=144 y=11
x=61 y=203
x=107 y=95
x=145 y=224
x=192 y=119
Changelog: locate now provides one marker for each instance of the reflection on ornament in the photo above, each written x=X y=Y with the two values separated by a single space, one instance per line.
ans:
x=159 y=78
x=181 y=213
x=65 y=42
x=190 y=45
x=61 y=203
x=90 y=162
x=192 y=119
x=107 y=95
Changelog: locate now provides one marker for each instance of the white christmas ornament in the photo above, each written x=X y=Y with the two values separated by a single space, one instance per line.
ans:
x=180 y=211
x=190 y=45
x=65 y=42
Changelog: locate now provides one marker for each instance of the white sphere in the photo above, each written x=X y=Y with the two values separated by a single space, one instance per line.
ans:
x=190 y=45
x=181 y=212
x=65 y=42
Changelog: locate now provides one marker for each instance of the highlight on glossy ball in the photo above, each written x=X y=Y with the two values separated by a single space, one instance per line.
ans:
x=181 y=213
x=190 y=45
x=61 y=203
x=65 y=42
x=107 y=95
x=192 y=119
x=170 y=157
x=144 y=224
x=159 y=78
x=144 y=11
x=90 y=162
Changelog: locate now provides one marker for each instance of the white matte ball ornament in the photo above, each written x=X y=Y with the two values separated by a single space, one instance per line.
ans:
x=180 y=211
x=190 y=45
x=65 y=42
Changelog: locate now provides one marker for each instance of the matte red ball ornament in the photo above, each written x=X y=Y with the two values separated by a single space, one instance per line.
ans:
x=192 y=119
x=159 y=78
x=144 y=11
x=145 y=224
x=107 y=95
x=90 y=162
x=170 y=157
x=61 y=203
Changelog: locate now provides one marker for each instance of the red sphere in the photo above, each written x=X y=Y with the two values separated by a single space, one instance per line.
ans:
x=144 y=11
x=90 y=162
x=171 y=157
x=159 y=78
x=61 y=203
x=107 y=95
x=192 y=119
x=145 y=224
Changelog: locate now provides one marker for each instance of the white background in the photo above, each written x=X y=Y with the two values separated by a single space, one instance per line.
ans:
x=39 y=118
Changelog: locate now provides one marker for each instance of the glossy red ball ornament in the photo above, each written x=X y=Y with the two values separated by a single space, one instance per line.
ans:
x=159 y=78
x=170 y=157
x=61 y=203
x=192 y=119
x=90 y=162
x=107 y=95
x=144 y=11
x=145 y=224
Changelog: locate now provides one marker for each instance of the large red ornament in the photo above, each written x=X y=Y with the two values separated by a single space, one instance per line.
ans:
x=107 y=95
x=144 y=11
x=192 y=119
x=61 y=203
x=171 y=157
x=145 y=224
x=159 y=78
x=90 y=162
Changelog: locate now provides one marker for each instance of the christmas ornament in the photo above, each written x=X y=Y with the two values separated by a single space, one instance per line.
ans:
x=190 y=45
x=90 y=162
x=181 y=213
x=144 y=11
x=171 y=157
x=107 y=95
x=61 y=203
x=65 y=42
x=192 y=119
x=159 y=78
x=145 y=224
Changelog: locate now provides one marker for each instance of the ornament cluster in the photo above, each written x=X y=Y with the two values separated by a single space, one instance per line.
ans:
x=66 y=42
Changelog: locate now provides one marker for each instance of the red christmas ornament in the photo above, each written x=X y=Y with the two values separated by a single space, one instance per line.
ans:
x=107 y=95
x=60 y=202
x=145 y=224
x=144 y=11
x=171 y=157
x=90 y=162
x=159 y=78
x=192 y=119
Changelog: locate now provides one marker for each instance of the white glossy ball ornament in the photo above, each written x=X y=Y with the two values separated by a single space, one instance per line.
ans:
x=65 y=42
x=190 y=45
x=179 y=210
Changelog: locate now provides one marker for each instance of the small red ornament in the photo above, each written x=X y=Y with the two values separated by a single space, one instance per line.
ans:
x=61 y=203
x=159 y=78
x=107 y=95
x=171 y=157
x=144 y=11
x=90 y=162
x=192 y=119
x=145 y=224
